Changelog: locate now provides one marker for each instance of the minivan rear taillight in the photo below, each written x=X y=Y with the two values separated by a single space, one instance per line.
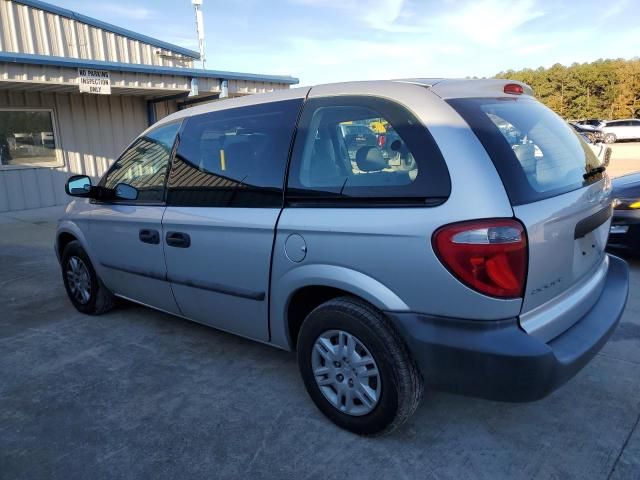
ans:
x=489 y=256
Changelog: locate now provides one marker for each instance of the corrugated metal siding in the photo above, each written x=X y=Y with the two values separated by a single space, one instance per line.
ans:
x=246 y=87
x=29 y=30
x=92 y=131
x=41 y=77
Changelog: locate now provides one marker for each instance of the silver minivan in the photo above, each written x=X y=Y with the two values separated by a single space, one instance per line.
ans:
x=463 y=250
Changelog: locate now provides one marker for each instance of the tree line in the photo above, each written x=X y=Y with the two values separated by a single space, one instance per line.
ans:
x=604 y=89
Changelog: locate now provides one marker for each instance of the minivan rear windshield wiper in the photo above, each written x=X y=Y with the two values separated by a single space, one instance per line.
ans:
x=593 y=172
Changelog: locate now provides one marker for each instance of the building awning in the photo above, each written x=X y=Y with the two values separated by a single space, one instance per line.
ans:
x=42 y=73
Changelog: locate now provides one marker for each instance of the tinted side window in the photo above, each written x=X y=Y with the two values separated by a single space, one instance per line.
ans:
x=144 y=164
x=365 y=150
x=235 y=157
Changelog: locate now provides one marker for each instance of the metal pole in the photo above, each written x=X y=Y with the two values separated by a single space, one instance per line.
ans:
x=197 y=4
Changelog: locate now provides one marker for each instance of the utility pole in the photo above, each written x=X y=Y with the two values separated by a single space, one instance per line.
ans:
x=197 y=4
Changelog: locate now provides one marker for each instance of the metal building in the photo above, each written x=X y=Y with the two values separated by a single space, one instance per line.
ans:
x=74 y=91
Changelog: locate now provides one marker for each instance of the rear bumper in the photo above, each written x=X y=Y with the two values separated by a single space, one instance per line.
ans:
x=497 y=360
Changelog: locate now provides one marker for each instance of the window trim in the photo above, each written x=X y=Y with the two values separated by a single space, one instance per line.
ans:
x=60 y=160
x=310 y=200
x=139 y=203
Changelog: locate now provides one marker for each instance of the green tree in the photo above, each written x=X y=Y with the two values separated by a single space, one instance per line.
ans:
x=606 y=89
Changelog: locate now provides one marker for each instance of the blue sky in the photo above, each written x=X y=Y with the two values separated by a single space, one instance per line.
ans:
x=322 y=41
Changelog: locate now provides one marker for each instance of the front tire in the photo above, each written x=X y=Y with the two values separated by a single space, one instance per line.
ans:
x=610 y=138
x=356 y=367
x=85 y=290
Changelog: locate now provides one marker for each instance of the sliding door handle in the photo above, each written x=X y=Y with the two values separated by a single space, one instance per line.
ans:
x=178 y=240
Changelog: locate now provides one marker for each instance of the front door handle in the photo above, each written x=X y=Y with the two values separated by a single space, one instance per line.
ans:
x=178 y=239
x=149 y=236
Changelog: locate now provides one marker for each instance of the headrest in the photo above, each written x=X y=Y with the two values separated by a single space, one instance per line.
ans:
x=370 y=159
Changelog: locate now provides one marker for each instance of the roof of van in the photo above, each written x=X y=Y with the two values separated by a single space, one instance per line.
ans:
x=443 y=87
x=467 y=87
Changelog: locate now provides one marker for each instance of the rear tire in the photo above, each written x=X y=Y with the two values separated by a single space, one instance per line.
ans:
x=395 y=383
x=84 y=288
x=610 y=138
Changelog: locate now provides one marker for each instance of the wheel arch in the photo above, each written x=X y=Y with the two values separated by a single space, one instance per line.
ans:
x=302 y=289
x=68 y=232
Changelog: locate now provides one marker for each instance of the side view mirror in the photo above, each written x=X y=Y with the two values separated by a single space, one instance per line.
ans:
x=126 y=192
x=78 y=186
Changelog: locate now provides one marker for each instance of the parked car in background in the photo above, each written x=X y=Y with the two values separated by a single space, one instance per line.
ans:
x=357 y=136
x=593 y=132
x=476 y=266
x=625 y=227
x=602 y=151
x=46 y=140
x=615 y=130
x=594 y=122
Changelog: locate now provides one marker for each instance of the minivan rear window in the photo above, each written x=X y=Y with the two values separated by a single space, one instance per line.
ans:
x=536 y=153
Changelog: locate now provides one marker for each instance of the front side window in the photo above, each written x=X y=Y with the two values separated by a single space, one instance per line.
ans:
x=27 y=138
x=352 y=148
x=144 y=164
x=234 y=157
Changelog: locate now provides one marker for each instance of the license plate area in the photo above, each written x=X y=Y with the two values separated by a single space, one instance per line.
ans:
x=588 y=251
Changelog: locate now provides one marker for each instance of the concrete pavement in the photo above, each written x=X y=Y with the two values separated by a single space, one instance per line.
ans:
x=625 y=158
x=140 y=394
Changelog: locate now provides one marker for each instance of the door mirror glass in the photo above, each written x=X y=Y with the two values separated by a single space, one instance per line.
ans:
x=78 y=186
x=126 y=192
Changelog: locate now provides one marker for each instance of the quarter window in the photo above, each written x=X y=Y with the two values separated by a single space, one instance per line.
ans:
x=356 y=148
x=145 y=163
x=27 y=138
x=234 y=157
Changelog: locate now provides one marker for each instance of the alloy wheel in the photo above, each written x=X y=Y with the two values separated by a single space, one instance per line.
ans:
x=78 y=280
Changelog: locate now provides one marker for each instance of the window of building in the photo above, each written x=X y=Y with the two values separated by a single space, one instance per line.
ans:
x=144 y=164
x=234 y=157
x=28 y=138
x=360 y=147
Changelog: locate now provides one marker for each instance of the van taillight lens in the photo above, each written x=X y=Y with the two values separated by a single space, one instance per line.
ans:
x=381 y=140
x=489 y=256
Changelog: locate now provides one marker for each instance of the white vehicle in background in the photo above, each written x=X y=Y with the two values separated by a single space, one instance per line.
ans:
x=615 y=130
x=600 y=150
